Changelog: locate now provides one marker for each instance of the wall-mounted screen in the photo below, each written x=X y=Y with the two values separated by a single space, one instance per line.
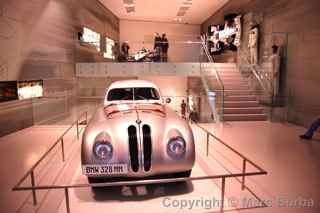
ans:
x=30 y=89
x=8 y=91
x=227 y=36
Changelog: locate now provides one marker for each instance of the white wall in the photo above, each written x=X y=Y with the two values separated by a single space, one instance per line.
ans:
x=138 y=31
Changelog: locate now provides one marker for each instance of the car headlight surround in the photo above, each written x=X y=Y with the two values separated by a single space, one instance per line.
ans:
x=103 y=150
x=176 y=147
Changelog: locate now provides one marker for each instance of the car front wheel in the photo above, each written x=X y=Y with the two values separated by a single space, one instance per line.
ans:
x=183 y=174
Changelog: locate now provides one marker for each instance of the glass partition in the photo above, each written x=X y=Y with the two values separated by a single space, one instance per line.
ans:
x=187 y=57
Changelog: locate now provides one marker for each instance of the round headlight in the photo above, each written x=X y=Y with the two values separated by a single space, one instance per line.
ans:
x=103 y=150
x=176 y=147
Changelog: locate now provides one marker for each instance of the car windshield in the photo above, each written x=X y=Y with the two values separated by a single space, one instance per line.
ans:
x=139 y=93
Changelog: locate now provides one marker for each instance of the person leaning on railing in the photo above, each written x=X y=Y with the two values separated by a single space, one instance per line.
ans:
x=313 y=128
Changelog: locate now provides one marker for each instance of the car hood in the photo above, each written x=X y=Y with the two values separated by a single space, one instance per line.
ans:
x=116 y=110
x=116 y=119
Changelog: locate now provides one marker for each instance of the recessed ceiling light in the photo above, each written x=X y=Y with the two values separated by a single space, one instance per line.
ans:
x=181 y=13
x=183 y=8
x=187 y=4
x=130 y=9
x=128 y=5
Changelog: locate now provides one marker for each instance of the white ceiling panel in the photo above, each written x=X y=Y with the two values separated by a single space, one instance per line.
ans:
x=165 y=10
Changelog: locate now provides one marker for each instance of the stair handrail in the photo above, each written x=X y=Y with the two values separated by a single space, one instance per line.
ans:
x=220 y=82
x=253 y=69
x=204 y=46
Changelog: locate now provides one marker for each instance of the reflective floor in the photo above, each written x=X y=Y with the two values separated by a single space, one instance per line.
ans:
x=292 y=166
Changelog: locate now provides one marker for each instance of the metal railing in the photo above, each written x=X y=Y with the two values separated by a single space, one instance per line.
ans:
x=245 y=160
x=66 y=188
x=262 y=80
x=217 y=76
x=60 y=141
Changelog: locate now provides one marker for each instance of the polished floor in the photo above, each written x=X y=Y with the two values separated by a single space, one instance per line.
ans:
x=292 y=166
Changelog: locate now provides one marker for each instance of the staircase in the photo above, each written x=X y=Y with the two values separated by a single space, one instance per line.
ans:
x=240 y=102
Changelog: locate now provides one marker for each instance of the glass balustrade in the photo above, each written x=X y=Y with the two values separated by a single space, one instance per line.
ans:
x=188 y=58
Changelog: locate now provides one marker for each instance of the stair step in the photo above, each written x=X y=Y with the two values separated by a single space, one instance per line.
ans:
x=249 y=110
x=241 y=98
x=234 y=81
x=230 y=86
x=239 y=104
x=232 y=78
x=238 y=92
x=245 y=117
x=236 y=87
x=230 y=74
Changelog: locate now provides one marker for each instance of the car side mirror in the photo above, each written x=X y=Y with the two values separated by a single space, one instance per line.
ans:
x=168 y=100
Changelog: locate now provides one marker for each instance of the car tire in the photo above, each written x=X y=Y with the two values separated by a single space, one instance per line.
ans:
x=92 y=180
x=185 y=174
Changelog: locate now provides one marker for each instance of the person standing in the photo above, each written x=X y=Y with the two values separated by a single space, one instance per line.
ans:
x=157 y=47
x=125 y=49
x=165 y=47
x=275 y=61
x=313 y=128
x=183 y=109
x=157 y=40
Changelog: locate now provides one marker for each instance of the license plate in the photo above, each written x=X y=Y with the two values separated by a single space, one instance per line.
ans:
x=107 y=169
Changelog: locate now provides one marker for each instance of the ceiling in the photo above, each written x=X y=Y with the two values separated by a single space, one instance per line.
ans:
x=176 y=11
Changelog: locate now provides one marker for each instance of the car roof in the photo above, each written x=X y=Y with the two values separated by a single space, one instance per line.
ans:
x=131 y=84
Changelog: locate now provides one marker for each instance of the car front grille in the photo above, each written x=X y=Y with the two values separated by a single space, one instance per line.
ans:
x=147 y=147
x=134 y=148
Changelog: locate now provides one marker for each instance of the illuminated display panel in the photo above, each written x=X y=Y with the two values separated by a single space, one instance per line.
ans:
x=91 y=37
x=8 y=91
x=227 y=36
x=30 y=89
x=109 y=49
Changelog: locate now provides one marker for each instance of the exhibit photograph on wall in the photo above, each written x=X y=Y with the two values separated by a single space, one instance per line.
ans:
x=8 y=91
x=30 y=89
x=226 y=36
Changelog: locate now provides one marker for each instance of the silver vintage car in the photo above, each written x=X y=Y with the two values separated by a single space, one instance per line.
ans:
x=135 y=135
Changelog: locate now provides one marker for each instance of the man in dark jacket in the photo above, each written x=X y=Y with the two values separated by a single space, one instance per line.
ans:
x=165 y=47
x=157 y=41
x=125 y=49
x=157 y=47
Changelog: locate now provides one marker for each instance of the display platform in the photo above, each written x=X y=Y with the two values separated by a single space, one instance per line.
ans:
x=68 y=190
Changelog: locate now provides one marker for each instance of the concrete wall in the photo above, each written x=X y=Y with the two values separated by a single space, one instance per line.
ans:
x=299 y=20
x=137 y=32
x=39 y=40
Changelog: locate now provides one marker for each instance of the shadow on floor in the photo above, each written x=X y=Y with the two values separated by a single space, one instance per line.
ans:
x=133 y=193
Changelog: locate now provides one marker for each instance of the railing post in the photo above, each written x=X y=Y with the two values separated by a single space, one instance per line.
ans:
x=208 y=138
x=66 y=193
x=244 y=165
x=223 y=187
x=78 y=129
x=34 y=196
x=62 y=148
